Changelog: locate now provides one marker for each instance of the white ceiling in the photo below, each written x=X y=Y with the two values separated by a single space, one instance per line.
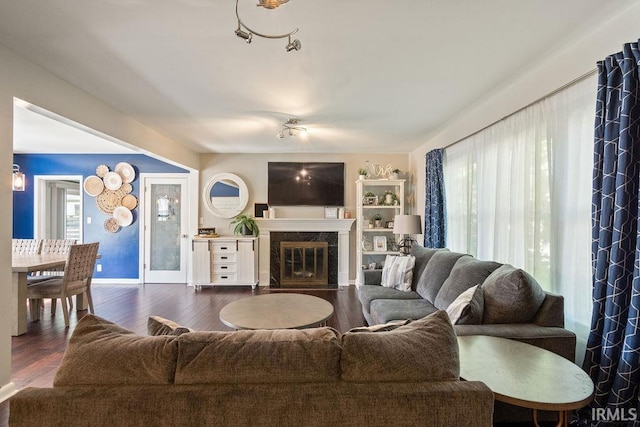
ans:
x=372 y=76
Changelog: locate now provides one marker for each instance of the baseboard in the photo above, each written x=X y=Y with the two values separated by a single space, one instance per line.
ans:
x=6 y=391
x=95 y=281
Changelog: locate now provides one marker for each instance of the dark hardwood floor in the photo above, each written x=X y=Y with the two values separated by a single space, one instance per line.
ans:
x=36 y=355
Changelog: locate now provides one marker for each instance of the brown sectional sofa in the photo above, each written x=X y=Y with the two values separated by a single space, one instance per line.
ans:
x=405 y=376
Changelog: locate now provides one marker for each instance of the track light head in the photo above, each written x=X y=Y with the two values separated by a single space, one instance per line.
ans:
x=293 y=45
x=243 y=34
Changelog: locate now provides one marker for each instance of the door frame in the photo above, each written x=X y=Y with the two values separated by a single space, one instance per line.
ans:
x=192 y=200
x=40 y=200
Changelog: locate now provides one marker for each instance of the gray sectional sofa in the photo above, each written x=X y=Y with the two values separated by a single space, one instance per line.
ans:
x=509 y=303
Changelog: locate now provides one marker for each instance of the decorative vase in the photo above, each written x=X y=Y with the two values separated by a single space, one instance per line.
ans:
x=361 y=177
x=378 y=223
x=395 y=175
x=388 y=198
x=246 y=231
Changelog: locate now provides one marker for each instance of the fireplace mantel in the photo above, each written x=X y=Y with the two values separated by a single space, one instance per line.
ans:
x=340 y=226
x=304 y=224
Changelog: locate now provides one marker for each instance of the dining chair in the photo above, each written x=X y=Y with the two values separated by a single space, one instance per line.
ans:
x=53 y=247
x=26 y=246
x=75 y=280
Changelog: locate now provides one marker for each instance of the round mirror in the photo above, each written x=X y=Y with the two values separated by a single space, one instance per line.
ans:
x=226 y=195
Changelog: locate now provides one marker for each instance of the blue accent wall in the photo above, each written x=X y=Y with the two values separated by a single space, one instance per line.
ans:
x=119 y=251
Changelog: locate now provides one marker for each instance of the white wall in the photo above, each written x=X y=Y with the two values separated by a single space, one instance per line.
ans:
x=252 y=168
x=22 y=79
x=562 y=65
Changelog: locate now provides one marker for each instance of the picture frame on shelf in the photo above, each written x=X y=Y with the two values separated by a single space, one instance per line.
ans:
x=380 y=243
x=330 y=213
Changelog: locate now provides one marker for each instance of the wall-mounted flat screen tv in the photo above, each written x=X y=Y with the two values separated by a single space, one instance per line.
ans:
x=305 y=184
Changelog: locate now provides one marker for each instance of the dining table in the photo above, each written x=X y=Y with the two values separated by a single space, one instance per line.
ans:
x=21 y=266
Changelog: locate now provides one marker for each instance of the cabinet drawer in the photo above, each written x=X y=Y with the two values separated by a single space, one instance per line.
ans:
x=224 y=258
x=224 y=278
x=225 y=247
x=224 y=268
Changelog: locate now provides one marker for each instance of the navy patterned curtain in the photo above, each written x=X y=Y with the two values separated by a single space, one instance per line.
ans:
x=613 y=347
x=434 y=207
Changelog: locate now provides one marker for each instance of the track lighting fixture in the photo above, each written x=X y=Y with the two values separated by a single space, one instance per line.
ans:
x=247 y=33
x=243 y=34
x=292 y=127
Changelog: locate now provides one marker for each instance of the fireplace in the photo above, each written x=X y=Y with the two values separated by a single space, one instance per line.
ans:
x=333 y=231
x=304 y=264
x=304 y=259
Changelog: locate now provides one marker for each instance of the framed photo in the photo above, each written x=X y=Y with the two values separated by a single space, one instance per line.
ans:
x=331 y=213
x=380 y=243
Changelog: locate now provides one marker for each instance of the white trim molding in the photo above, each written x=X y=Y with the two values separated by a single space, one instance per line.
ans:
x=341 y=226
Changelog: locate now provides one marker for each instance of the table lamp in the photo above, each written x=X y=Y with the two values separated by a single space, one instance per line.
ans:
x=409 y=225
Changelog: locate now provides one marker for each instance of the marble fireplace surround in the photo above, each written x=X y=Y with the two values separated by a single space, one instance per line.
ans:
x=340 y=226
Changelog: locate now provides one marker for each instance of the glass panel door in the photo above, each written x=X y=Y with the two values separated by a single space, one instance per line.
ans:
x=165 y=231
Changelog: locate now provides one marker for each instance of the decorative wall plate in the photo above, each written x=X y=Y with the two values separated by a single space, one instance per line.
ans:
x=111 y=225
x=126 y=188
x=123 y=216
x=112 y=181
x=126 y=171
x=108 y=200
x=102 y=171
x=129 y=201
x=93 y=185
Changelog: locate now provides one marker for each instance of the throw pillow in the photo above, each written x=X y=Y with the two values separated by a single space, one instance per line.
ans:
x=398 y=272
x=424 y=350
x=468 y=307
x=101 y=352
x=511 y=295
x=466 y=273
x=383 y=327
x=157 y=325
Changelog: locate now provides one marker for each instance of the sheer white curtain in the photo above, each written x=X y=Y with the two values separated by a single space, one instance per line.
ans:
x=519 y=192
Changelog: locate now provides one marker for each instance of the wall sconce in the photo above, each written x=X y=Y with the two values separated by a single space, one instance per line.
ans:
x=18 y=179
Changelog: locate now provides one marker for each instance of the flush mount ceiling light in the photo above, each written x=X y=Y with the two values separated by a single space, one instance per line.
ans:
x=247 y=33
x=291 y=127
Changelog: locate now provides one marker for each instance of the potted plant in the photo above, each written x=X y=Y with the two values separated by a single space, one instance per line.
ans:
x=395 y=174
x=245 y=225
x=362 y=173
x=377 y=219
x=370 y=199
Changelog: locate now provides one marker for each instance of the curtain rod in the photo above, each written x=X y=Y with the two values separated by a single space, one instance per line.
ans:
x=553 y=92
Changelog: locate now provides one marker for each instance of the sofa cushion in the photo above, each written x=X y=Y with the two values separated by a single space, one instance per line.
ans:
x=511 y=295
x=101 y=352
x=467 y=309
x=422 y=256
x=369 y=293
x=423 y=350
x=387 y=310
x=259 y=356
x=466 y=272
x=436 y=272
x=157 y=325
x=398 y=272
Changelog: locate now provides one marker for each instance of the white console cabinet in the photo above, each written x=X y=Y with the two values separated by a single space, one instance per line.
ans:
x=225 y=261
